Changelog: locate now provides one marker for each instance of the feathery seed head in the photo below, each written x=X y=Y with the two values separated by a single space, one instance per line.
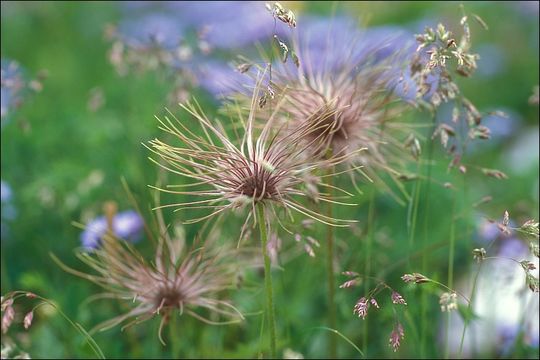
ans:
x=179 y=279
x=266 y=164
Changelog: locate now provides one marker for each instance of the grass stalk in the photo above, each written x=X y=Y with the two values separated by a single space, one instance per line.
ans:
x=174 y=337
x=267 y=280
x=450 y=280
x=330 y=275
x=367 y=266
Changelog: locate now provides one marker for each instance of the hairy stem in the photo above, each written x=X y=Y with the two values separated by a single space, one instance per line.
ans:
x=330 y=275
x=267 y=280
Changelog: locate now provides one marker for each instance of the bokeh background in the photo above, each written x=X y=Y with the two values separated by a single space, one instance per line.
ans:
x=76 y=128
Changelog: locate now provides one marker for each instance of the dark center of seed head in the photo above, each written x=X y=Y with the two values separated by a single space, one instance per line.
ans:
x=259 y=185
x=169 y=297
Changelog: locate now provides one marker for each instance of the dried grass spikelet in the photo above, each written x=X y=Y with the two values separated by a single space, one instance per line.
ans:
x=352 y=94
x=180 y=279
x=265 y=164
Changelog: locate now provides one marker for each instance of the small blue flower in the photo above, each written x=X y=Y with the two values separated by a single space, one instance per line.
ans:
x=127 y=225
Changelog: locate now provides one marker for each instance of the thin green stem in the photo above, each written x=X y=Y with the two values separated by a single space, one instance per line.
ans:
x=267 y=279
x=450 y=272
x=475 y=281
x=412 y=215
x=424 y=324
x=467 y=318
x=330 y=273
x=174 y=338
x=367 y=266
x=91 y=342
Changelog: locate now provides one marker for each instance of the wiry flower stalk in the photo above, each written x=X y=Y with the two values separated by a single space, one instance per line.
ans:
x=180 y=279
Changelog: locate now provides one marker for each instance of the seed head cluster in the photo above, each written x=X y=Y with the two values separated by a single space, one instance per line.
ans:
x=178 y=280
x=266 y=164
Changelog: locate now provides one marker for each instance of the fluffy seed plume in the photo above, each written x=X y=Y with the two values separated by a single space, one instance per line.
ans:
x=180 y=279
x=261 y=166
x=350 y=92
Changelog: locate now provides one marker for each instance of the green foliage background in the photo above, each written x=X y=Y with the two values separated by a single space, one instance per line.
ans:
x=53 y=143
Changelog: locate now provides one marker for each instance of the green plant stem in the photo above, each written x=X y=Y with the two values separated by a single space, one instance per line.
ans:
x=469 y=306
x=91 y=342
x=412 y=215
x=367 y=265
x=330 y=274
x=469 y=244
x=267 y=279
x=424 y=324
x=174 y=338
x=450 y=273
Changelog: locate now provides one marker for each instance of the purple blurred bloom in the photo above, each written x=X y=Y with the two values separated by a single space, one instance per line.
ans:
x=231 y=24
x=222 y=79
x=163 y=29
x=330 y=44
x=15 y=86
x=322 y=45
x=12 y=85
x=227 y=24
x=513 y=248
x=127 y=225
x=489 y=231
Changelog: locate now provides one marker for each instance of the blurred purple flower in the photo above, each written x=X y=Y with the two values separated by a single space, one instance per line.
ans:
x=12 y=85
x=227 y=24
x=15 y=85
x=231 y=24
x=222 y=79
x=127 y=225
x=330 y=44
x=163 y=29
x=323 y=45
x=489 y=231
x=513 y=248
